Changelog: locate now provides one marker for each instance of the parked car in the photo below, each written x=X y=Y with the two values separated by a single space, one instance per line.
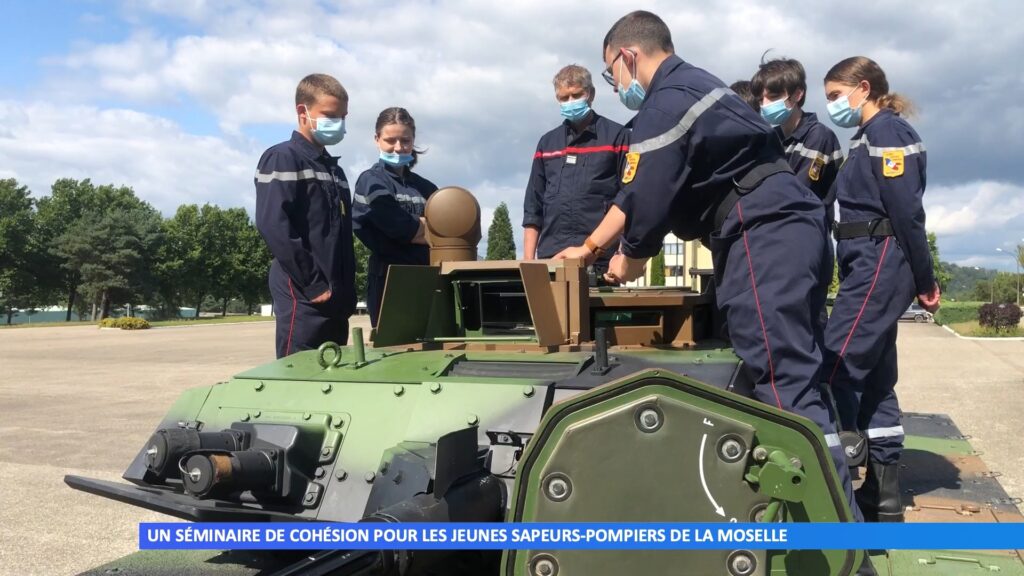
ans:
x=917 y=314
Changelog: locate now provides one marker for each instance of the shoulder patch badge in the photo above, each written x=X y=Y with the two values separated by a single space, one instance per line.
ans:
x=632 y=161
x=892 y=163
x=814 y=172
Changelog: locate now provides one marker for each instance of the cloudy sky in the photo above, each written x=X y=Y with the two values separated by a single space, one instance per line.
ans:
x=178 y=98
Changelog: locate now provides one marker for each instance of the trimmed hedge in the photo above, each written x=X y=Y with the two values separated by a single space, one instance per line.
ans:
x=999 y=316
x=125 y=323
x=956 y=312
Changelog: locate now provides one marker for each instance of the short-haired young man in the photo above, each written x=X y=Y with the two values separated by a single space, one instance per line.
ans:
x=813 y=150
x=702 y=163
x=304 y=212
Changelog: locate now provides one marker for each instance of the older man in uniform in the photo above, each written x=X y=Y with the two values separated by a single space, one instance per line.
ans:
x=575 y=172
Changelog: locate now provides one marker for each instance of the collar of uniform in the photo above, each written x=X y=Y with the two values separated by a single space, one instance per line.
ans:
x=312 y=151
x=383 y=169
x=664 y=69
x=807 y=119
x=591 y=127
x=884 y=112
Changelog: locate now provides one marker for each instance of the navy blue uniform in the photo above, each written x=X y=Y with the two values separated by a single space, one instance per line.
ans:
x=691 y=138
x=386 y=217
x=884 y=177
x=303 y=211
x=814 y=153
x=575 y=177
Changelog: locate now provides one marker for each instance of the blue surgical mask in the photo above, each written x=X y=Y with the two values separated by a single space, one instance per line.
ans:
x=776 y=112
x=396 y=159
x=842 y=114
x=327 y=131
x=632 y=97
x=575 y=110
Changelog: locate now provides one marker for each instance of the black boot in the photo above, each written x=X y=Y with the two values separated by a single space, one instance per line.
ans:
x=879 y=496
x=866 y=568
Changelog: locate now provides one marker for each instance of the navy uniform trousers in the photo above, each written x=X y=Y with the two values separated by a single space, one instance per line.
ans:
x=302 y=325
x=771 y=297
x=375 y=294
x=876 y=287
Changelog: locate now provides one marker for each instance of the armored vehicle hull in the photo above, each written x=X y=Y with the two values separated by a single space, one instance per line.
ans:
x=518 y=392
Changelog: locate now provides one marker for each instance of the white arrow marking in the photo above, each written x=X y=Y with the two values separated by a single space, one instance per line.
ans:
x=718 y=509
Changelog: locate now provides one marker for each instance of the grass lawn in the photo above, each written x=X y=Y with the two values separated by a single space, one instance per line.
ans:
x=45 y=325
x=972 y=328
x=157 y=323
x=213 y=320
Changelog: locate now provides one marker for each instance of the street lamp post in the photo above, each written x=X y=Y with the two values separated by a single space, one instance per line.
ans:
x=991 y=285
x=1016 y=260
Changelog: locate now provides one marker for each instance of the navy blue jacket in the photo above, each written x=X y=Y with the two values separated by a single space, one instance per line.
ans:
x=691 y=137
x=572 y=183
x=814 y=154
x=884 y=177
x=303 y=211
x=386 y=216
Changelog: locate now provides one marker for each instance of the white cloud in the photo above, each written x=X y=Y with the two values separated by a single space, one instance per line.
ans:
x=968 y=208
x=477 y=79
x=165 y=165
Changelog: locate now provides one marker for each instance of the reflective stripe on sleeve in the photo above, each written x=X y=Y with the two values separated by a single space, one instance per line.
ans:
x=679 y=130
x=361 y=199
x=915 y=148
x=307 y=174
x=806 y=152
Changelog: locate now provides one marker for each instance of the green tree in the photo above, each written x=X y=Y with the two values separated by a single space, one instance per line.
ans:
x=362 y=265
x=253 y=268
x=226 y=229
x=942 y=276
x=500 y=243
x=71 y=201
x=190 y=259
x=1001 y=289
x=18 y=282
x=112 y=255
x=658 y=269
x=62 y=209
x=210 y=252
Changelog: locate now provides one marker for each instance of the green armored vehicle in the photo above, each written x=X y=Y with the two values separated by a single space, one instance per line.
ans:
x=515 y=391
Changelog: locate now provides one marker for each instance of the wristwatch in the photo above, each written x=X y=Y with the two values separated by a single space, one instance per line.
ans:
x=593 y=247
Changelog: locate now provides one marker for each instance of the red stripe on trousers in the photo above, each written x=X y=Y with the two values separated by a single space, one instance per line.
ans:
x=291 y=325
x=864 y=305
x=760 y=315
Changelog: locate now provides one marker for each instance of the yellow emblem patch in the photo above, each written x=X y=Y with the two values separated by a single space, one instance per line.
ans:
x=814 y=172
x=892 y=163
x=632 y=161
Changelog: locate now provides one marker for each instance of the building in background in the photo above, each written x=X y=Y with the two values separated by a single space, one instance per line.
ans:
x=681 y=257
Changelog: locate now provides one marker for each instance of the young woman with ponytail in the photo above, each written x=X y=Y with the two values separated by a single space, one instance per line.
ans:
x=884 y=262
x=388 y=204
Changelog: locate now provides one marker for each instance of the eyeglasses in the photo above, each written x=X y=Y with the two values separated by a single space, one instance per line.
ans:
x=607 y=73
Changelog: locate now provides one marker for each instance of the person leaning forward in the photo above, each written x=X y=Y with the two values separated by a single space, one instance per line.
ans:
x=303 y=211
x=575 y=172
x=691 y=139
